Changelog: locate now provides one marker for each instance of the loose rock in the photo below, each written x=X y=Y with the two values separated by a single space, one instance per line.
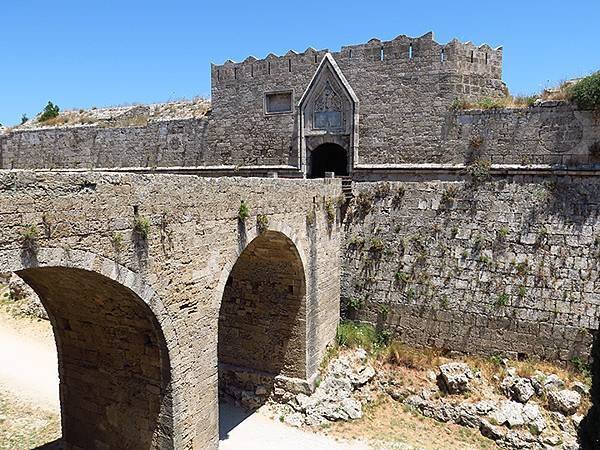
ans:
x=456 y=377
x=565 y=401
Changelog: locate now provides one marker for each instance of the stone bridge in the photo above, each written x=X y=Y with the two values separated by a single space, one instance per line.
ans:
x=153 y=283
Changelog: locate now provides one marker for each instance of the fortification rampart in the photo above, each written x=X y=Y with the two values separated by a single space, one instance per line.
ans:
x=177 y=142
x=405 y=88
x=552 y=134
x=507 y=266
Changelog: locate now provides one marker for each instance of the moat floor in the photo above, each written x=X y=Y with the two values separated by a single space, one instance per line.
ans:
x=240 y=430
x=30 y=410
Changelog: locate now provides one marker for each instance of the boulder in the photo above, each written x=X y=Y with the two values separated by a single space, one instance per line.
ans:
x=534 y=419
x=552 y=382
x=564 y=401
x=510 y=413
x=294 y=419
x=517 y=388
x=352 y=408
x=456 y=377
x=26 y=297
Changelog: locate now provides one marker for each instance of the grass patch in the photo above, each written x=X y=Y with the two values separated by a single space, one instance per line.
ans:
x=351 y=335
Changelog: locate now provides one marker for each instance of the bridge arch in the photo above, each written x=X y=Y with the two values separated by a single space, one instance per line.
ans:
x=113 y=338
x=262 y=318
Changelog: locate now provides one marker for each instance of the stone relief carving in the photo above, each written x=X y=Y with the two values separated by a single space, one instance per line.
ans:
x=328 y=110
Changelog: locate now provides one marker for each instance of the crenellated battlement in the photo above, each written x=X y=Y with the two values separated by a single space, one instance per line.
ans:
x=411 y=53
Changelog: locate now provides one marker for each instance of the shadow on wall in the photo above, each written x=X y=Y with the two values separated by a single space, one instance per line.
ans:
x=113 y=361
x=589 y=431
x=262 y=328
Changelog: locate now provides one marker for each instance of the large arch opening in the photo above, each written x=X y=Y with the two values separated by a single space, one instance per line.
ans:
x=328 y=157
x=262 y=323
x=113 y=361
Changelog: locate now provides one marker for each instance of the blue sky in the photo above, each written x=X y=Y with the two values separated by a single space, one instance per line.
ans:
x=81 y=54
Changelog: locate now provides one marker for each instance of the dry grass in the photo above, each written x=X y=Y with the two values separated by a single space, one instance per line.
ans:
x=388 y=424
x=400 y=354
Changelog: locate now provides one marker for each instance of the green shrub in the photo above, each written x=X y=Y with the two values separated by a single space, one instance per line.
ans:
x=243 y=212
x=117 y=241
x=581 y=366
x=141 y=227
x=354 y=303
x=29 y=235
x=502 y=299
x=586 y=92
x=330 y=211
x=262 y=223
x=24 y=119
x=50 y=112
x=351 y=335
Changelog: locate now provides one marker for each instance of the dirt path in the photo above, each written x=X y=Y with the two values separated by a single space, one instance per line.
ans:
x=28 y=365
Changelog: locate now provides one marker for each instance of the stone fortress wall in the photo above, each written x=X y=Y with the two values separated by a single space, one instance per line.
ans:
x=526 y=229
x=506 y=266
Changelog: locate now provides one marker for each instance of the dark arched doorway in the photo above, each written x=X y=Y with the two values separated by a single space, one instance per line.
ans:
x=262 y=323
x=113 y=361
x=328 y=158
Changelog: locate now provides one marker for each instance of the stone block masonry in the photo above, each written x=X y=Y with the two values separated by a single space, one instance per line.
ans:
x=133 y=269
x=505 y=266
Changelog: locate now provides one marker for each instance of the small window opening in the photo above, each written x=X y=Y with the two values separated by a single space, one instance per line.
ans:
x=235 y=73
x=278 y=102
x=472 y=56
x=252 y=70
x=381 y=54
x=350 y=53
x=289 y=65
x=218 y=74
x=486 y=57
x=269 y=67
x=442 y=56
x=316 y=58
x=410 y=51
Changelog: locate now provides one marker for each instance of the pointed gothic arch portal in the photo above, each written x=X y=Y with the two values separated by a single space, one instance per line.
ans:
x=328 y=157
x=328 y=122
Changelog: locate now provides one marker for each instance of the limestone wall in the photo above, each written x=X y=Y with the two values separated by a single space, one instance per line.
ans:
x=84 y=223
x=508 y=265
x=405 y=88
x=177 y=142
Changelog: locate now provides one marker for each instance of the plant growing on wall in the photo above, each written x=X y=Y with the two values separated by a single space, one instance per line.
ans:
x=399 y=193
x=141 y=228
x=586 y=92
x=50 y=111
x=449 y=195
x=243 y=211
x=502 y=299
x=382 y=189
x=117 y=241
x=330 y=212
x=29 y=236
x=479 y=170
x=262 y=223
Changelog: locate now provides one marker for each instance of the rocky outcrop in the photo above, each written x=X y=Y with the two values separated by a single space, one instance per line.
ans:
x=25 y=298
x=339 y=396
